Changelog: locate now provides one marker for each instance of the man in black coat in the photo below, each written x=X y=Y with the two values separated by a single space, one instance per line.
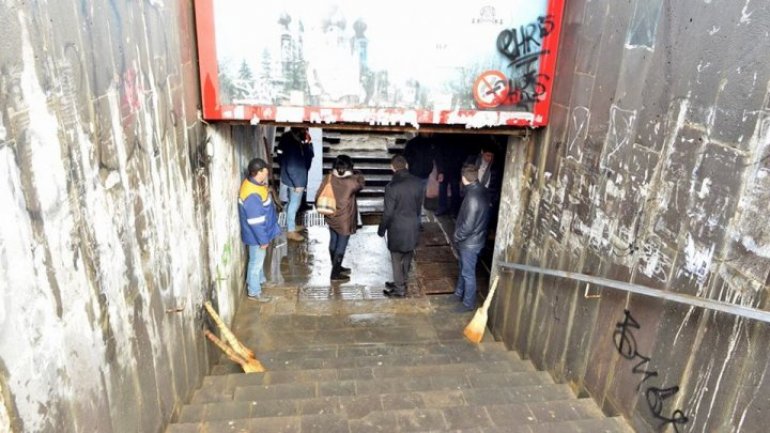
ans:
x=403 y=203
x=420 y=153
x=470 y=235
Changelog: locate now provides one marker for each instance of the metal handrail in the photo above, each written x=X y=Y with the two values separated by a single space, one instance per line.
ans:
x=696 y=301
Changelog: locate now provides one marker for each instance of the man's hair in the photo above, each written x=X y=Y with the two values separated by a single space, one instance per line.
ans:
x=299 y=132
x=342 y=164
x=490 y=146
x=398 y=162
x=256 y=165
x=470 y=172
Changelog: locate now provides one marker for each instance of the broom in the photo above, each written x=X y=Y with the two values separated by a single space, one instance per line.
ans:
x=248 y=366
x=242 y=351
x=475 y=329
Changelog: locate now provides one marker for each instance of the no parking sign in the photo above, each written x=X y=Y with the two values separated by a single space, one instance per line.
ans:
x=490 y=89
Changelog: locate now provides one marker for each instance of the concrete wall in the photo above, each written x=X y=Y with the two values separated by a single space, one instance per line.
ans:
x=655 y=170
x=118 y=217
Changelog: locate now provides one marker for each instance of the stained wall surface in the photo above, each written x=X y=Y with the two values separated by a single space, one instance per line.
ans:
x=114 y=227
x=655 y=170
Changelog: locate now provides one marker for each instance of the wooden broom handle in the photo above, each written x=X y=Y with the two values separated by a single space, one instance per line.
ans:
x=491 y=293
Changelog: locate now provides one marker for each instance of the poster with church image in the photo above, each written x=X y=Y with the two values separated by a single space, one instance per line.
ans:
x=474 y=64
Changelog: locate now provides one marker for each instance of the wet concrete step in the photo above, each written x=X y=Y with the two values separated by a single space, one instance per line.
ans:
x=506 y=417
x=427 y=411
x=365 y=386
x=227 y=367
x=387 y=326
x=377 y=380
x=426 y=333
x=326 y=352
x=401 y=421
x=606 y=425
x=304 y=424
x=365 y=167
x=371 y=204
x=457 y=347
x=217 y=388
x=319 y=362
x=356 y=407
x=373 y=349
x=366 y=412
x=373 y=189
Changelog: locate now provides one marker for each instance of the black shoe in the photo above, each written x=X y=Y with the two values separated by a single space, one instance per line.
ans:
x=337 y=274
x=393 y=294
x=339 y=277
x=392 y=287
x=462 y=308
x=343 y=269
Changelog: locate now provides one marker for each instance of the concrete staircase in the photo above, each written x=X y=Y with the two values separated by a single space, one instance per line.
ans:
x=414 y=374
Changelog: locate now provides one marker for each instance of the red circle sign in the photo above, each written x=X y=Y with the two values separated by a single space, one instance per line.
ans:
x=490 y=89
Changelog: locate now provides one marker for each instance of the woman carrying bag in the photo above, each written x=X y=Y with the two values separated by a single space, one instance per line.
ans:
x=339 y=207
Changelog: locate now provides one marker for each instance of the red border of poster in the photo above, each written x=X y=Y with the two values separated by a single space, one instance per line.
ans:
x=214 y=111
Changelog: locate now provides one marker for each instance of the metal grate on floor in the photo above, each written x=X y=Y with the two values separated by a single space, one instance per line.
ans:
x=314 y=219
x=340 y=292
x=311 y=219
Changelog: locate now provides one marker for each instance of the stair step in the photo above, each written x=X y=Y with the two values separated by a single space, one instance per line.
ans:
x=229 y=382
x=224 y=390
x=304 y=424
x=419 y=331
x=373 y=361
x=357 y=388
x=381 y=349
x=383 y=167
x=526 y=407
x=376 y=355
x=388 y=379
x=402 y=413
x=606 y=425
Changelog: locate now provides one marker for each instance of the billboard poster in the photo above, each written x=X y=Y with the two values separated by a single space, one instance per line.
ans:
x=474 y=64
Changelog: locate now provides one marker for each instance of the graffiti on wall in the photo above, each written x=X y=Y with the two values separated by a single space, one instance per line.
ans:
x=337 y=61
x=524 y=84
x=625 y=343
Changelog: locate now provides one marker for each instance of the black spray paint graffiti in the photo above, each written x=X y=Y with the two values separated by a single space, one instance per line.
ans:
x=625 y=343
x=524 y=48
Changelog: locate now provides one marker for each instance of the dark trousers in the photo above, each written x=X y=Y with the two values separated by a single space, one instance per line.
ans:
x=466 y=281
x=446 y=203
x=401 y=263
x=337 y=242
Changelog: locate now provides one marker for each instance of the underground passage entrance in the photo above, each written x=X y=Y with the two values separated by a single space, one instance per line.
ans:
x=436 y=157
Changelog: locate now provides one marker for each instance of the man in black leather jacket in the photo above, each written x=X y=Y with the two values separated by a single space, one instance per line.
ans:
x=470 y=235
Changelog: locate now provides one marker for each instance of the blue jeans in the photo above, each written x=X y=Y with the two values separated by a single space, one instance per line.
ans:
x=422 y=200
x=466 y=281
x=337 y=242
x=295 y=199
x=255 y=275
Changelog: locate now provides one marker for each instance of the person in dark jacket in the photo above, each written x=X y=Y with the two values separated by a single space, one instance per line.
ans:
x=449 y=163
x=403 y=201
x=489 y=169
x=490 y=176
x=420 y=153
x=259 y=225
x=470 y=235
x=346 y=183
x=296 y=155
